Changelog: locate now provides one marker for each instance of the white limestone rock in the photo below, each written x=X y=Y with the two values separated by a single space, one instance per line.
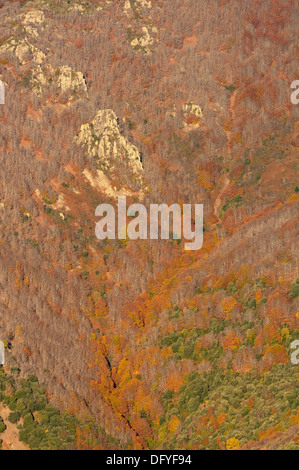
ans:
x=69 y=79
x=23 y=50
x=144 y=41
x=192 y=108
x=32 y=20
x=110 y=148
x=193 y=116
x=65 y=78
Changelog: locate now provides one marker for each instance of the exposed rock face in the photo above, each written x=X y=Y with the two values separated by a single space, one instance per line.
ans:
x=127 y=6
x=65 y=78
x=32 y=20
x=23 y=50
x=145 y=37
x=78 y=7
x=39 y=78
x=145 y=3
x=68 y=79
x=191 y=108
x=136 y=4
x=111 y=149
x=193 y=115
x=144 y=41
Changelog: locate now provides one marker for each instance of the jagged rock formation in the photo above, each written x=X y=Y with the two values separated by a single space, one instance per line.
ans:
x=112 y=151
x=64 y=78
x=32 y=21
x=23 y=50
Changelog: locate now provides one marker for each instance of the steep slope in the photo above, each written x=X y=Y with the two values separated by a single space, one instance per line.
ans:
x=163 y=348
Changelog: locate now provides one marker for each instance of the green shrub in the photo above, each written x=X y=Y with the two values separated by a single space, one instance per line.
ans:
x=2 y=425
x=14 y=417
x=294 y=289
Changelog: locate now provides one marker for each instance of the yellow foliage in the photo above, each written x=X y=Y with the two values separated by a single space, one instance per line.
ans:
x=204 y=179
x=227 y=304
x=227 y=125
x=237 y=137
x=144 y=404
x=295 y=419
x=233 y=444
x=293 y=198
x=285 y=333
x=126 y=377
x=251 y=335
x=122 y=366
x=258 y=295
x=161 y=436
x=166 y=352
x=173 y=424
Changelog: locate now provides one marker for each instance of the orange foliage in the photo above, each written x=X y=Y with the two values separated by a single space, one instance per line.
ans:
x=277 y=353
x=173 y=424
x=295 y=419
x=27 y=351
x=270 y=433
x=204 y=179
x=231 y=341
x=221 y=418
x=227 y=304
x=174 y=382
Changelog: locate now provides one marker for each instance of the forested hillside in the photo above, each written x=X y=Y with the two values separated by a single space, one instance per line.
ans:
x=123 y=344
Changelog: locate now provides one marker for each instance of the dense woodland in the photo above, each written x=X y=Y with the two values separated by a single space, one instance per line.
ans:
x=141 y=344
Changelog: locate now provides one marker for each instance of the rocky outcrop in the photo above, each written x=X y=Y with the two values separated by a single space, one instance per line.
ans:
x=23 y=50
x=192 y=108
x=33 y=20
x=142 y=37
x=192 y=115
x=144 y=41
x=112 y=151
x=65 y=79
